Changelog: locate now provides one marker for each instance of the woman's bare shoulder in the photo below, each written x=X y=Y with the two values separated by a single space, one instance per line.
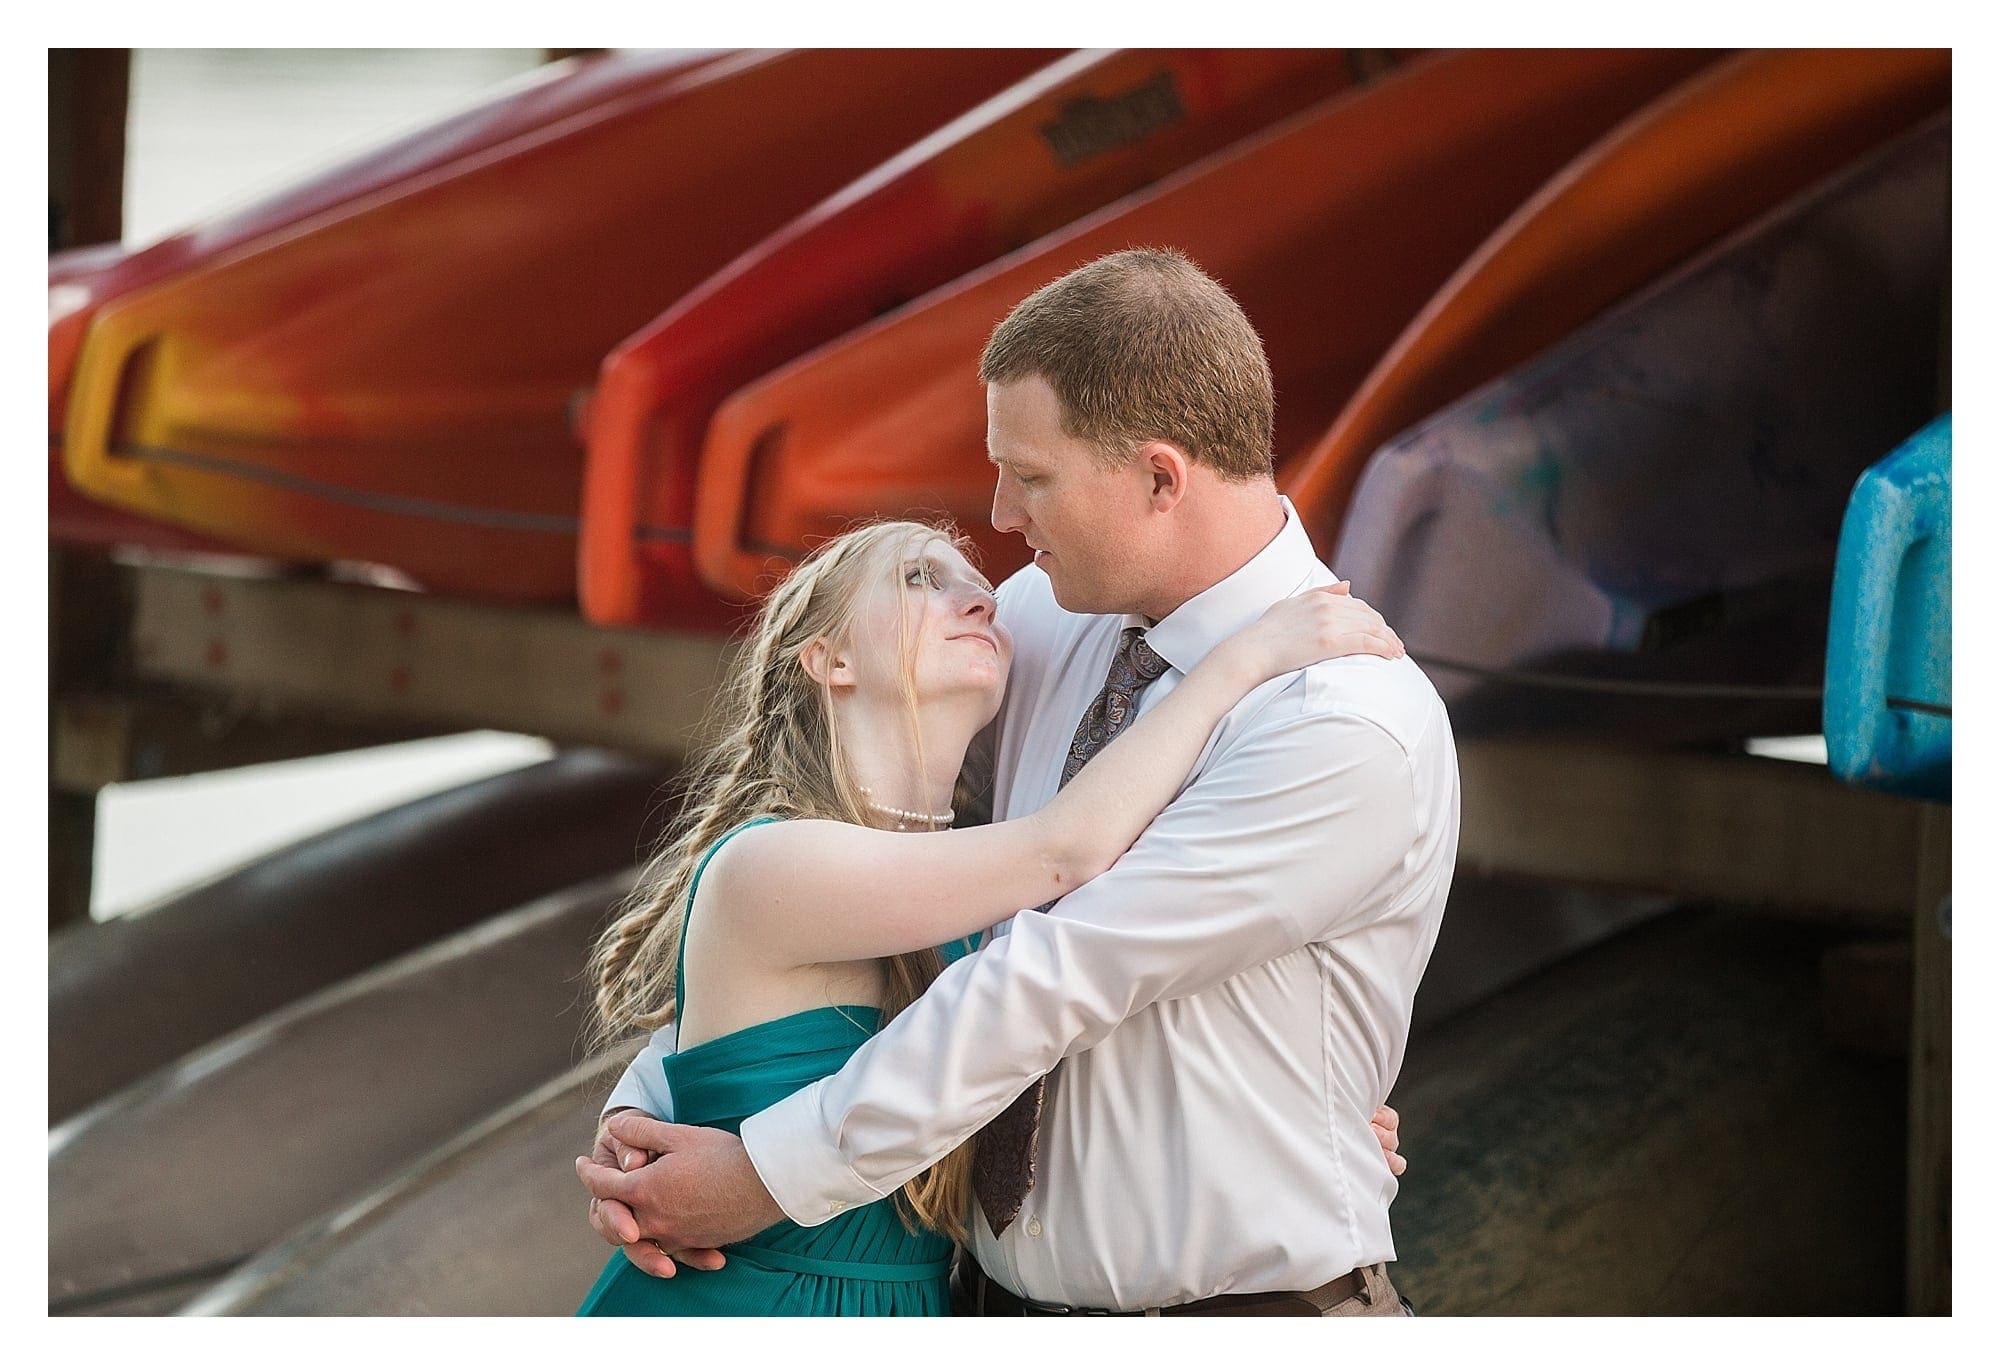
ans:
x=749 y=858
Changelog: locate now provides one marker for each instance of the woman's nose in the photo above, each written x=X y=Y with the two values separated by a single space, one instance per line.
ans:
x=978 y=602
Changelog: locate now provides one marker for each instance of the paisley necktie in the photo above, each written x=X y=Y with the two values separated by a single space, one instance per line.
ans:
x=1003 y=1163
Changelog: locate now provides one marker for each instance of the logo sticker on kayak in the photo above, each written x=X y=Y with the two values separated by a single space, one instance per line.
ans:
x=1091 y=125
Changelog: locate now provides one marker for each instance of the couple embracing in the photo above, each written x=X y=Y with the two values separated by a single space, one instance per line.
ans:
x=1122 y=1049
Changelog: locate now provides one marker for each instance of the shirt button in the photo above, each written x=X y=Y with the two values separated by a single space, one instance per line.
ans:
x=1034 y=1227
x=835 y=1205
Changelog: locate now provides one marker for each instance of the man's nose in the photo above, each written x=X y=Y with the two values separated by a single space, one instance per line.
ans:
x=1006 y=517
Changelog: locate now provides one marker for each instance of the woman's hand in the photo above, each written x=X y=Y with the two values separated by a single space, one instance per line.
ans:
x=1318 y=624
x=1384 y=1123
x=609 y=1151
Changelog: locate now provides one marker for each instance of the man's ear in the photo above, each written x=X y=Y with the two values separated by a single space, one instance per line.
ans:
x=1166 y=468
x=826 y=665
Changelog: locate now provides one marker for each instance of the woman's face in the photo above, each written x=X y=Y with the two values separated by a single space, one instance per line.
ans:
x=957 y=646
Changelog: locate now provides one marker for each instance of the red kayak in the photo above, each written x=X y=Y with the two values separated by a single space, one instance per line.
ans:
x=82 y=280
x=390 y=381
x=1331 y=229
x=1073 y=137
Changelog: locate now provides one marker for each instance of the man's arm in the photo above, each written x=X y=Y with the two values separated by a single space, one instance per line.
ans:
x=1283 y=840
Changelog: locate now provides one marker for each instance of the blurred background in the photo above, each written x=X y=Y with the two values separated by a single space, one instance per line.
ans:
x=422 y=422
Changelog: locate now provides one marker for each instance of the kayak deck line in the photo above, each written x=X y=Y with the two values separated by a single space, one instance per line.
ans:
x=395 y=504
x=1569 y=682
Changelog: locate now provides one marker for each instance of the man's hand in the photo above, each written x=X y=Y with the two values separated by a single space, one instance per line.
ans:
x=1385 y=1123
x=614 y=1222
x=697 y=1193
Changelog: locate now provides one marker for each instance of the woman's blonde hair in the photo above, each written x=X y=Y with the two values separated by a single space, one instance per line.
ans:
x=779 y=755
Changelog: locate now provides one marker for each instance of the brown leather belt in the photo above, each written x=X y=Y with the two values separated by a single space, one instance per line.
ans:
x=987 y=1297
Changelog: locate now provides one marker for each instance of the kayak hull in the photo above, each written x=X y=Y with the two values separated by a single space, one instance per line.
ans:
x=83 y=280
x=1081 y=133
x=210 y=1161
x=1649 y=512
x=1698 y=163
x=391 y=382
x=401 y=1249
x=1665 y=1119
x=1369 y=199
x=134 y=993
x=1888 y=655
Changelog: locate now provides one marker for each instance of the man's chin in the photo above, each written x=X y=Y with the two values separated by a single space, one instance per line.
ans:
x=1070 y=599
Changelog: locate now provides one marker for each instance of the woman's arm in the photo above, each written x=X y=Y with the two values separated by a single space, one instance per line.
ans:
x=806 y=891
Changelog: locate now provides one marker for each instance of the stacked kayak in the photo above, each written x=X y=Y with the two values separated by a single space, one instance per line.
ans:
x=1657 y=500
x=1083 y=132
x=131 y=994
x=83 y=280
x=1888 y=648
x=176 y=1179
x=402 y=1249
x=390 y=380
x=1700 y=162
x=1331 y=229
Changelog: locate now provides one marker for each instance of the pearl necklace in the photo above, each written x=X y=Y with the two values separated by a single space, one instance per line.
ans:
x=902 y=816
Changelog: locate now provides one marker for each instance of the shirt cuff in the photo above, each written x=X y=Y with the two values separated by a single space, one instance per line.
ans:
x=644 y=1084
x=800 y=1165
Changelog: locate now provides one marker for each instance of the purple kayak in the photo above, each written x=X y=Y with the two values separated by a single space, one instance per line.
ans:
x=1632 y=536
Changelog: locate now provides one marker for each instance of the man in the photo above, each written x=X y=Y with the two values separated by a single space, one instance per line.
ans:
x=1219 y=1014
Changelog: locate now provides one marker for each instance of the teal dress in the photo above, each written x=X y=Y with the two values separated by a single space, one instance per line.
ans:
x=863 y=1262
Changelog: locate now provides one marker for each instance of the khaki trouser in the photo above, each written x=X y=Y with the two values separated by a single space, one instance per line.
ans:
x=1381 y=1300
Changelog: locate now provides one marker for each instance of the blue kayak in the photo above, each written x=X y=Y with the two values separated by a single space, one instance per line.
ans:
x=1888 y=644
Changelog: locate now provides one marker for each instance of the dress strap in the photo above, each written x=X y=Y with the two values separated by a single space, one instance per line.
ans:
x=687 y=914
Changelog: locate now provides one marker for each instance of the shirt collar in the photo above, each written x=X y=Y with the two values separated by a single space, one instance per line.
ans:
x=1277 y=571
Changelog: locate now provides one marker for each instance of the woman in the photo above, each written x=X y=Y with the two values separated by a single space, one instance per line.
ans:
x=790 y=919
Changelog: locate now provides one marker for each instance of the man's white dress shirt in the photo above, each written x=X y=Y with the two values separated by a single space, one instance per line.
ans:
x=1229 y=1003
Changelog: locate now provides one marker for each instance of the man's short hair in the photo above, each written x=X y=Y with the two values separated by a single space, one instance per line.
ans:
x=1142 y=346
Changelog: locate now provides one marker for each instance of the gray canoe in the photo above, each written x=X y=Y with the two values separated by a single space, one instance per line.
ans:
x=1657 y=1125
x=403 y=1249
x=132 y=994
x=178 y=1178
x=1654 y=503
x=492 y=1224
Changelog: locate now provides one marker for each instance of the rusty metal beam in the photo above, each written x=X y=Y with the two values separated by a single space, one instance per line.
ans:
x=98 y=738
x=88 y=621
x=1928 y=1281
x=374 y=655
x=1760 y=832
x=89 y=90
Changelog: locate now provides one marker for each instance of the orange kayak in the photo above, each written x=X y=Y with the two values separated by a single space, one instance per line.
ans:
x=1331 y=229
x=1079 y=134
x=390 y=382
x=1703 y=160
x=84 y=279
